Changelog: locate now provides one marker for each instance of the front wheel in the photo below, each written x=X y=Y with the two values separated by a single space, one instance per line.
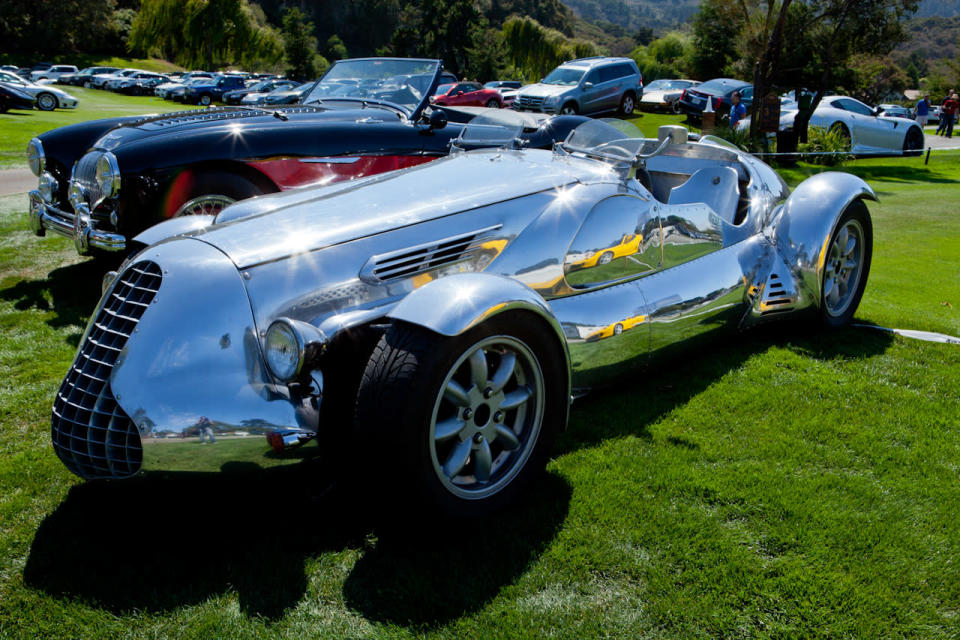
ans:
x=209 y=193
x=461 y=424
x=204 y=100
x=913 y=142
x=493 y=104
x=846 y=266
x=569 y=109
x=46 y=102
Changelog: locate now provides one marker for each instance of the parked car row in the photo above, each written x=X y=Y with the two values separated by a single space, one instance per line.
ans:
x=431 y=323
x=43 y=96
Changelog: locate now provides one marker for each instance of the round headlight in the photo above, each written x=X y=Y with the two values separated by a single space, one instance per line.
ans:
x=283 y=351
x=47 y=187
x=35 y=157
x=108 y=175
x=290 y=345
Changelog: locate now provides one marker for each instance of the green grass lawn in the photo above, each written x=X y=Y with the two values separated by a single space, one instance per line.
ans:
x=787 y=483
x=18 y=127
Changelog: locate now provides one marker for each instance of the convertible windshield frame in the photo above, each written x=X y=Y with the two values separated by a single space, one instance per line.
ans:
x=365 y=81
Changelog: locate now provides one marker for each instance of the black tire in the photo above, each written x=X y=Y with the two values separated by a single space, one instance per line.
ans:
x=617 y=329
x=570 y=109
x=627 y=104
x=211 y=191
x=205 y=100
x=913 y=142
x=493 y=104
x=605 y=258
x=846 y=266
x=402 y=406
x=87 y=84
x=46 y=102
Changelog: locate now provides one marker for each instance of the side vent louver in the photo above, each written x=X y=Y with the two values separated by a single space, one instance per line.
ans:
x=776 y=297
x=410 y=261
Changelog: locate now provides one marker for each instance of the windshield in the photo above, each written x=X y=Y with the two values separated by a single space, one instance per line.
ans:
x=720 y=86
x=663 y=85
x=567 y=76
x=400 y=82
x=500 y=128
x=607 y=138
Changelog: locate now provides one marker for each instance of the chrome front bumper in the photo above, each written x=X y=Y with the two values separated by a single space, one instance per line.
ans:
x=45 y=217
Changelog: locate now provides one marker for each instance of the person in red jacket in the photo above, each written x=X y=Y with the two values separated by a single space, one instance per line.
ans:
x=949 y=111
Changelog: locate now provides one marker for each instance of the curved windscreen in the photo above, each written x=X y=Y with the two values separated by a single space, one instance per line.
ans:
x=499 y=128
x=402 y=83
x=608 y=138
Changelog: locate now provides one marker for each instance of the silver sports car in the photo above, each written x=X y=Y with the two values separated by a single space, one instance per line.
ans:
x=430 y=326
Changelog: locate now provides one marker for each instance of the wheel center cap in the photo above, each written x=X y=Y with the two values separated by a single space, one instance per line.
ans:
x=482 y=415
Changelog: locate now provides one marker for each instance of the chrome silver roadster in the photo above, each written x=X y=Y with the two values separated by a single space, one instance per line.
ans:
x=432 y=324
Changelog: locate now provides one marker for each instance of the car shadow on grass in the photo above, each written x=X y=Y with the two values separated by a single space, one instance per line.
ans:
x=667 y=384
x=165 y=541
x=71 y=292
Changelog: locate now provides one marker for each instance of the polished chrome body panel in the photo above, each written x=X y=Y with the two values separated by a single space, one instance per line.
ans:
x=618 y=272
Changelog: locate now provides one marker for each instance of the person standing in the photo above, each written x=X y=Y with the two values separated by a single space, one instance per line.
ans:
x=923 y=110
x=942 y=126
x=737 y=110
x=950 y=108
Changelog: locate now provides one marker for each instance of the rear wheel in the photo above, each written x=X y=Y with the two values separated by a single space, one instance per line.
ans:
x=627 y=104
x=460 y=425
x=205 y=100
x=846 y=266
x=843 y=132
x=493 y=104
x=46 y=102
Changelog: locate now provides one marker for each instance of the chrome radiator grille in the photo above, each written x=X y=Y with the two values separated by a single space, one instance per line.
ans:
x=91 y=433
x=85 y=175
x=530 y=102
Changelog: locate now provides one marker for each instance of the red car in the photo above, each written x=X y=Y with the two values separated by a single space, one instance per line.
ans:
x=467 y=94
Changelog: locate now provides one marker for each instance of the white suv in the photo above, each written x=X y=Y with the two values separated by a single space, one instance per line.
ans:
x=585 y=86
x=53 y=73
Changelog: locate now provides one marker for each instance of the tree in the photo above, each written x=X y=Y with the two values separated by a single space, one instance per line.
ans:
x=666 y=57
x=535 y=50
x=335 y=49
x=300 y=45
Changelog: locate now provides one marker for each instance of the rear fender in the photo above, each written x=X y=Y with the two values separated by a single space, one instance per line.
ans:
x=807 y=221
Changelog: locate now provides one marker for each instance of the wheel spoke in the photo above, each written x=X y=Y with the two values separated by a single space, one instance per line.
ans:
x=850 y=246
x=841 y=242
x=456 y=394
x=448 y=429
x=515 y=398
x=483 y=461
x=850 y=264
x=478 y=368
x=457 y=459
x=507 y=438
x=503 y=373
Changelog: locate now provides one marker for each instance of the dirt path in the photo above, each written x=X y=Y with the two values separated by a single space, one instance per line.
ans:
x=13 y=181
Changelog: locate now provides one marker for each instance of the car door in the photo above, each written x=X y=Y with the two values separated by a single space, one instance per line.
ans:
x=592 y=93
x=865 y=129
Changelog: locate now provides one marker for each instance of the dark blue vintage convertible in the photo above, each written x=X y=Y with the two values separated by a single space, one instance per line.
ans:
x=103 y=182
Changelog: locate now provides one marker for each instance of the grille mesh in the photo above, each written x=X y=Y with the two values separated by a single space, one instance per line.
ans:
x=91 y=433
x=530 y=102
x=85 y=174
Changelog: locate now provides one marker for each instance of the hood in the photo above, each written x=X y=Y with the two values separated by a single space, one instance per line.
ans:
x=221 y=122
x=300 y=221
x=545 y=90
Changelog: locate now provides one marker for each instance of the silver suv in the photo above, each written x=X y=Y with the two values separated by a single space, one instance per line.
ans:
x=585 y=86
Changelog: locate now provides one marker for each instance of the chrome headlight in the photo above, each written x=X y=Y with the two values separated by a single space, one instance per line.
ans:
x=108 y=175
x=35 y=157
x=289 y=345
x=48 y=187
x=552 y=100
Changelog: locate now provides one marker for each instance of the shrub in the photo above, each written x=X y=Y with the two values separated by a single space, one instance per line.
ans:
x=834 y=142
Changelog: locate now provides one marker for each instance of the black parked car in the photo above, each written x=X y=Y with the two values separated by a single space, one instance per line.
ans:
x=105 y=181
x=143 y=85
x=719 y=91
x=13 y=98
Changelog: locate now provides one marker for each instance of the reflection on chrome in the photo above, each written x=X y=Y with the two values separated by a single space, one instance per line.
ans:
x=619 y=248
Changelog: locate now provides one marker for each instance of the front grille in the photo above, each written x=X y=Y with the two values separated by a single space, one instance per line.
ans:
x=91 y=433
x=530 y=102
x=85 y=174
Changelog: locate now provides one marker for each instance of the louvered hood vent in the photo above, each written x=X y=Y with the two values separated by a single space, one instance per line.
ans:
x=410 y=261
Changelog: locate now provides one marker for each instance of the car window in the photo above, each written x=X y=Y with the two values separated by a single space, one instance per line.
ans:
x=444 y=88
x=593 y=76
x=848 y=104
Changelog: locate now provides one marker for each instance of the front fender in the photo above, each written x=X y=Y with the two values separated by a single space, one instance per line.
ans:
x=454 y=304
x=174 y=227
x=807 y=221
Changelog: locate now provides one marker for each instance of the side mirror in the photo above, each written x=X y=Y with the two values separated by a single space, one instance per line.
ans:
x=588 y=85
x=459 y=93
x=437 y=119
